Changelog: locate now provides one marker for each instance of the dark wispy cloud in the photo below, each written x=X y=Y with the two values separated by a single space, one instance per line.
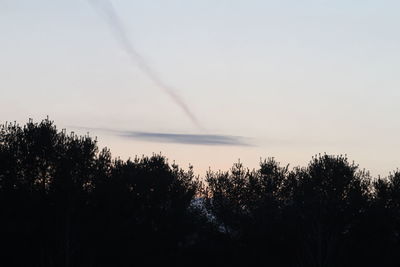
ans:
x=194 y=139
x=107 y=10
x=178 y=138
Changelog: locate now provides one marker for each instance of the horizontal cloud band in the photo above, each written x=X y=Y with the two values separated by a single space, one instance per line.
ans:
x=195 y=139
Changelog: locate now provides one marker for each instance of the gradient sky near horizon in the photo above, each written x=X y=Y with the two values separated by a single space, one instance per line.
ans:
x=293 y=78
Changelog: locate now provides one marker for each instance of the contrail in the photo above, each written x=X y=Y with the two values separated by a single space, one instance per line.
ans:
x=113 y=20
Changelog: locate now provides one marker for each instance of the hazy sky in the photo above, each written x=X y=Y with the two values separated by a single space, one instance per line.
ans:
x=291 y=78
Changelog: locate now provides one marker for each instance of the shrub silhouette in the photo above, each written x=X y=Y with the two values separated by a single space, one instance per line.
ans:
x=65 y=202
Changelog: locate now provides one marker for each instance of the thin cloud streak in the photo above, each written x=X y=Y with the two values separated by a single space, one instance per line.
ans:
x=107 y=10
x=193 y=139
x=189 y=139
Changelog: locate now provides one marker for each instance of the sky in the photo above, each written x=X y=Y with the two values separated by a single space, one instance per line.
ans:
x=285 y=79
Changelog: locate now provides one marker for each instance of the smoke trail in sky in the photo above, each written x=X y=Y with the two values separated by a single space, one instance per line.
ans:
x=107 y=9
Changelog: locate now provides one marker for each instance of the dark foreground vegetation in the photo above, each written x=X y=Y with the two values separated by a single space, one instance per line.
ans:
x=64 y=203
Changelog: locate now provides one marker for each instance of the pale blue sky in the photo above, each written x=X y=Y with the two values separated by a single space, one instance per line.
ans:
x=294 y=77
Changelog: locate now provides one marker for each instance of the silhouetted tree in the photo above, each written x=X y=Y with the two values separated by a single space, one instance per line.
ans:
x=248 y=208
x=381 y=235
x=64 y=202
x=45 y=178
x=328 y=198
x=144 y=209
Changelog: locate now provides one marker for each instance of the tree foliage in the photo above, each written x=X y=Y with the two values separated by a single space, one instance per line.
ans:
x=65 y=202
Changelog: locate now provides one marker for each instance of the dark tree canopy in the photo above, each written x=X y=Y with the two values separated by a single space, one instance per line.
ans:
x=65 y=202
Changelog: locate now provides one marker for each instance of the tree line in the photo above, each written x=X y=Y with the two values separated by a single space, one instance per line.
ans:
x=65 y=202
